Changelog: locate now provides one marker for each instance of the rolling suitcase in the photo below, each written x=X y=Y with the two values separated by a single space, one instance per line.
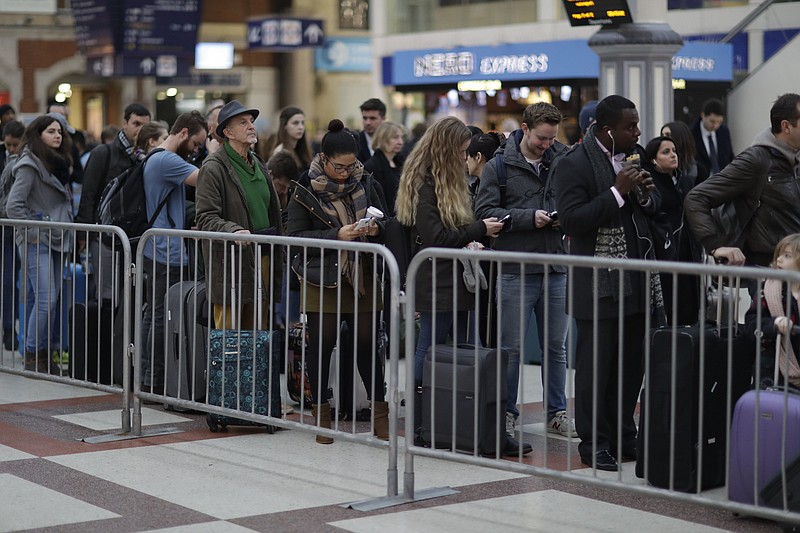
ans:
x=655 y=449
x=244 y=373
x=186 y=358
x=762 y=416
x=90 y=342
x=450 y=375
x=297 y=379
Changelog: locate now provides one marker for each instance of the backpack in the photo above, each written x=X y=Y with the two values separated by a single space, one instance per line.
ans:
x=124 y=202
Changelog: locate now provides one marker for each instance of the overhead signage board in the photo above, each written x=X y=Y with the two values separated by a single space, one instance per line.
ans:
x=597 y=12
x=700 y=61
x=572 y=59
x=153 y=26
x=344 y=54
x=285 y=34
x=529 y=62
x=143 y=37
x=94 y=26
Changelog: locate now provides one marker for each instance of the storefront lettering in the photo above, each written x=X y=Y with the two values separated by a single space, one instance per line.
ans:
x=695 y=64
x=514 y=64
x=444 y=64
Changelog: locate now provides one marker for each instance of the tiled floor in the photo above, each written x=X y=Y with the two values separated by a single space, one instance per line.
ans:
x=248 y=480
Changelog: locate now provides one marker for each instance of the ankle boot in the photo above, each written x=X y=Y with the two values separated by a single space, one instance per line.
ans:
x=381 y=411
x=30 y=361
x=324 y=410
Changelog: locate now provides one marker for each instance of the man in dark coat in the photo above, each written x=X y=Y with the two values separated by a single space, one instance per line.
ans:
x=373 y=113
x=712 y=139
x=602 y=204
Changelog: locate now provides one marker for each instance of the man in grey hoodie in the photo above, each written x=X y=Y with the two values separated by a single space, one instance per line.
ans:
x=762 y=183
x=522 y=192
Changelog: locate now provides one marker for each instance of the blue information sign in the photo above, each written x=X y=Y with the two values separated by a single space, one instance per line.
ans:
x=277 y=33
x=344 y=54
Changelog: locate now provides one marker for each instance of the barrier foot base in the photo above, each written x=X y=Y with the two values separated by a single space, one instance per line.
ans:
x=129 y=436
x=390 y=501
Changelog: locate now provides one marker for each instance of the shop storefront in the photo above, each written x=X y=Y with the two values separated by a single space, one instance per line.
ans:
x=487 y=85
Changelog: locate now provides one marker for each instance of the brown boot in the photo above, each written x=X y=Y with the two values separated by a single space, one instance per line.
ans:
x=381 y=412
x=324 y=410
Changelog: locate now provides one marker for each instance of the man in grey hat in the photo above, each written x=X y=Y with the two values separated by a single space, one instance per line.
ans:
x=235 y=195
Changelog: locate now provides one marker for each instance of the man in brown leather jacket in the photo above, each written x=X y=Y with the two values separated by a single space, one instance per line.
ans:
x=772 y=166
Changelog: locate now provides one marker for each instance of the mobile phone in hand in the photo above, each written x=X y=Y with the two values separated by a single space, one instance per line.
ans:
x=505 y=219
x=553 y=215
x=364 y=222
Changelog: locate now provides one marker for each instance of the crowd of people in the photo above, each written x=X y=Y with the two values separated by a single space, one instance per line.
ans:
x=522 y=191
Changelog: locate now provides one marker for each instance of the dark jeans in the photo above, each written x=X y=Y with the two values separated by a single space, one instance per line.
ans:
x=154 y=323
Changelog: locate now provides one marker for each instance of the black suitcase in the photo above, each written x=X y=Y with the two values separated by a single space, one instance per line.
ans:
x=654 y=440
x=187 y=350
x=91 y=342
x=487 y=400
x=772 y=493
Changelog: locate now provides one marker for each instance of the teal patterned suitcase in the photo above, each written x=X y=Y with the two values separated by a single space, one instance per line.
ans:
x=239 y=381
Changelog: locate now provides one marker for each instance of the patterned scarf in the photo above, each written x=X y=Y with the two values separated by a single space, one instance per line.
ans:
x=129 y=148
x=611 y=240
x=345 y=203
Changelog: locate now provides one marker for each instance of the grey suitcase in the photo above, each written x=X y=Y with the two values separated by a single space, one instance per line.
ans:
x=187 y=349
x=450 y=372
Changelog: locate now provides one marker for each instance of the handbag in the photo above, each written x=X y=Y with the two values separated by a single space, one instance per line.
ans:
x=314 y=272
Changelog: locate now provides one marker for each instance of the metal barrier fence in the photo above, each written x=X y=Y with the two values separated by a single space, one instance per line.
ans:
x=62 y=289
x=211 y=336
x=699 y=393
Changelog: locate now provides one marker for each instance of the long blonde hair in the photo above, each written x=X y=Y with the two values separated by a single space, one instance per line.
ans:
x=438 y=155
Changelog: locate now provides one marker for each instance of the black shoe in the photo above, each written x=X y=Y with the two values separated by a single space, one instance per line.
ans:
x=513 y=445
x=10 y=341
x=629 y=452
x=603 y=460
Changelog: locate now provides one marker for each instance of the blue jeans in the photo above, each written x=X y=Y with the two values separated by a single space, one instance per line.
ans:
x=517 y=299
x=45 y=276
x=444 y=322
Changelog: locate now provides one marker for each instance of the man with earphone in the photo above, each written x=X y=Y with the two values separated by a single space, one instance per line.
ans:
x=603 y=195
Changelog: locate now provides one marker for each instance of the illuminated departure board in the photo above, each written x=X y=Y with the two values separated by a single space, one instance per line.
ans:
x=597 y=12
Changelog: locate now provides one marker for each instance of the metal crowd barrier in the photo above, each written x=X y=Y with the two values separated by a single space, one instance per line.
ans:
x=696 y=390
x=216 y=370
x=77 y=322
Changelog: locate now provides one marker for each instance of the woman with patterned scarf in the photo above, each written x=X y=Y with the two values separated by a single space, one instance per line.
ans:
x=327 y=203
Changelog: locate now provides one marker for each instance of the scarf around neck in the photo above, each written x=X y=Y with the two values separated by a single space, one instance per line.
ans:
x=126 y=144
x=611 y=240
x=344 y=203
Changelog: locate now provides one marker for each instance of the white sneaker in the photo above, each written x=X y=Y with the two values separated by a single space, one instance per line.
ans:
x=562 y=425
x=511 y=422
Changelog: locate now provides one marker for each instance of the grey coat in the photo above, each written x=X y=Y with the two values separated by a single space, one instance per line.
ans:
x=38 y=195
x=526 y=192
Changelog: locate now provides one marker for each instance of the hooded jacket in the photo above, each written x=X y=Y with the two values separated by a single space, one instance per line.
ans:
x=777 y=210
x=526 y=192
x=38 y=195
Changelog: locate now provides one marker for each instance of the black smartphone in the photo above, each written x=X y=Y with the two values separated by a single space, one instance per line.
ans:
x=505 y=219
x=553 y=215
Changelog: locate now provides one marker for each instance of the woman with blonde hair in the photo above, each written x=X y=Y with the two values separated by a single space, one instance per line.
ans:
x=386 y=163
x=150 y=136
x=434 y=200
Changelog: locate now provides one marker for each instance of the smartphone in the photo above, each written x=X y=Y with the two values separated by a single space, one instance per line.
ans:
x=364 y=222
x=553 y=215
x=505 y=219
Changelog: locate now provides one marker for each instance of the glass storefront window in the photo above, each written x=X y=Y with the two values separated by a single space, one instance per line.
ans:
x=412 y=16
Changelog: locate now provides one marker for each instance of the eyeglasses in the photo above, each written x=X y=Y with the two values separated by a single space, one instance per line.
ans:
x=343 y=168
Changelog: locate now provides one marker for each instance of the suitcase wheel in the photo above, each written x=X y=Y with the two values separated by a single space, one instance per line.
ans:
x=215 y=425
x=271 y=429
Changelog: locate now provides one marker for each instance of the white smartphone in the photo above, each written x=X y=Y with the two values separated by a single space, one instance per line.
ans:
x=364 y=222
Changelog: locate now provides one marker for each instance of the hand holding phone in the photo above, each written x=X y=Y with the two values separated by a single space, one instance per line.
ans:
x=553 y=215
x=505 y=219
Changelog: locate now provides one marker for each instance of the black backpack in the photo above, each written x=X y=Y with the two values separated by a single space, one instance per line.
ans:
x=403 y=241
x=124 y=202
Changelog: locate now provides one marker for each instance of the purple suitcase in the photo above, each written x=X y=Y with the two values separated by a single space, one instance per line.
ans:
x=766 y=425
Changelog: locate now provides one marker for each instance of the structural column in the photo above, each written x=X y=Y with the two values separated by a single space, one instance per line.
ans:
x=636 y=62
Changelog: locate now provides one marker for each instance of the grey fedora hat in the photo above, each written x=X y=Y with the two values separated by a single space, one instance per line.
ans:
x=230 y=110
